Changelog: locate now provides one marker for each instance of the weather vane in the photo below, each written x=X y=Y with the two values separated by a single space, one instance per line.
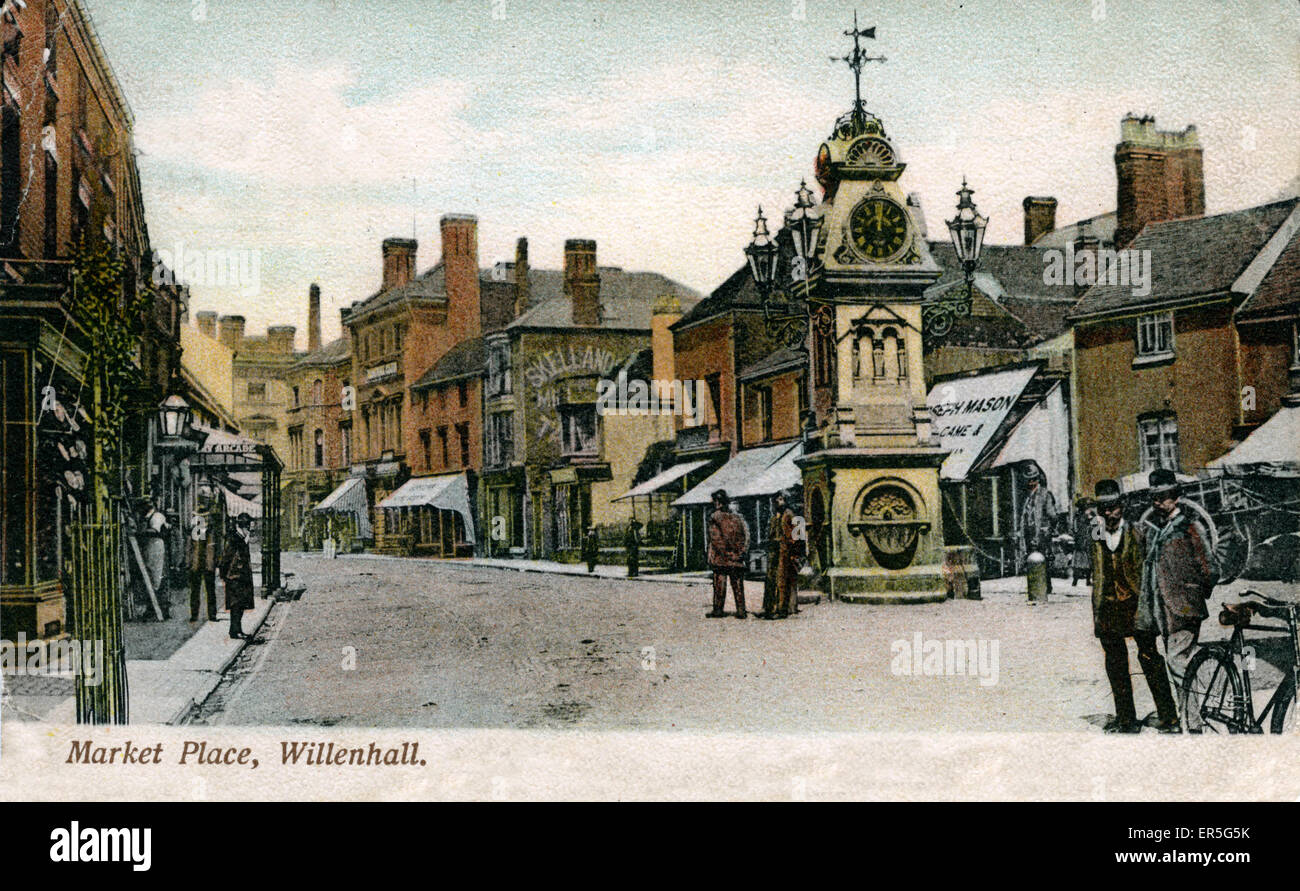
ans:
x=856 y=59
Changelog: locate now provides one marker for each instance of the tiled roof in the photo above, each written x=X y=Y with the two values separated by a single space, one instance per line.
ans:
x=333 y=352
x=775 y=362
x=465 y=359
x=1280 y=289
x=1198 y=256
x=626 y=298
x=430 y=284
x=1101 y=227
x=737 y=292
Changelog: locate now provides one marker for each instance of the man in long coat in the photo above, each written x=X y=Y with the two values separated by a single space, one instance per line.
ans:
x=1117 y=586
x=1178 y=576
x=237 y=572
x=780 y=592
x=632 y=543
x=202 y=564
x=590 y=549
x=728 y=555
x=1038 y=519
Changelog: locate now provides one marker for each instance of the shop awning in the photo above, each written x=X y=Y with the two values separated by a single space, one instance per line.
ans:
x=350 y=498
x=659 y=481
x=238 y=504
x=446 y=492
x=966 y=412
x=1273 y=448
x=752 y=472
x=1043 y=436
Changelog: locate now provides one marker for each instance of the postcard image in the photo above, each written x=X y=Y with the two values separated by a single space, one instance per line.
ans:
x=505 y=399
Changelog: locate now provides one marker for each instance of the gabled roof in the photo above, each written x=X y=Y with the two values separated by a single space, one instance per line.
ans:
x=1192 y=257
x=431 y=283
x=737 y=292
x=626 y=299
x=1279 y=291
x=466 y=359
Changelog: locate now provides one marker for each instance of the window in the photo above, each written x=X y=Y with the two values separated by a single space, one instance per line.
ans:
x=763 y=411
x=1155 y=334
x=1158 y=442
x=500 y=438
x=320 y=449
x=442 y=444
x=317 y=392
x=10 y=176
x=499 y=370
x=51 y=207
x=345 y=442
x=462 y=392
x=715 y=399
x=366 y=432
x=578 y=429
x=295 y=397
x=295 y=447
x=257 y=391
x=426 y=449
x=824 y=346
x=51 y=43
x=462 y=432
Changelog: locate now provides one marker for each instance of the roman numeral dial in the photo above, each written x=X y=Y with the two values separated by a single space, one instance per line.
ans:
x=878 y=228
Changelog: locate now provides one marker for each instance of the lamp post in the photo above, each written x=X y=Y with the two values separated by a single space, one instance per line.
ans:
x=174 y=417
x=967 y=231
x=783 y=315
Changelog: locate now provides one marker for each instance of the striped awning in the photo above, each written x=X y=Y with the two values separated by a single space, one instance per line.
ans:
x=349 y=498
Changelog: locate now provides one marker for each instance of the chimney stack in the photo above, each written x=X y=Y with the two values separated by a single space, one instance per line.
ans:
x=523 y=286
x=581 y=281
x=279 y=338
x=207 y=322
x=667 y=310
x=231 y=331
x=1159 y=176
x=460 y=274
x=1086 y=243
x=1040 y=217
x=313 y=318
x=399 y=261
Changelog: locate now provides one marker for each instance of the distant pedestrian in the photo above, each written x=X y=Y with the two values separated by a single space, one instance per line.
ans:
x=632 y=544
x=727 y=555
x=237 y=572
x=1086 y=520
x=1178 y=576
x=1116 y=556
x=590 y=549
x=1038 y=519
x=202 y=563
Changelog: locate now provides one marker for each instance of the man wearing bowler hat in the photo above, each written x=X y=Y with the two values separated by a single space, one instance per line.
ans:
x=1116 y=553
x=728 y=555
x=1178 y=576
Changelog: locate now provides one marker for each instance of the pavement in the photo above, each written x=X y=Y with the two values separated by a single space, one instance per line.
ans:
x=162 y=691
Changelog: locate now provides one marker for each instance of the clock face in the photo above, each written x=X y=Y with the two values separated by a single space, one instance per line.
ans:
x=878 y=228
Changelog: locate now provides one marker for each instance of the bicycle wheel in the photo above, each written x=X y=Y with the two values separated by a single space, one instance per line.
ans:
x=1212 y=688
x=1284 y=708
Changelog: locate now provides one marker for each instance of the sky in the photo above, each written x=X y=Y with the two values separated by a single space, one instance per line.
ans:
x=310 y=130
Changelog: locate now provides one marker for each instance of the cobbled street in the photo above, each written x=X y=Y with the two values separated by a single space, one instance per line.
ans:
x=378 y=642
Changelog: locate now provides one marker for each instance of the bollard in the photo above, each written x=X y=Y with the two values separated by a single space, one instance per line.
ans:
x=1036 y=575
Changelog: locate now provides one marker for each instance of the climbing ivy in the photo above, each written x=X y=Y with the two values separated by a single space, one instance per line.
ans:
x=110 y=313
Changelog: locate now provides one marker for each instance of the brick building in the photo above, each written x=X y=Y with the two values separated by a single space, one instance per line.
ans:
x=553 y=464
x=67 y=180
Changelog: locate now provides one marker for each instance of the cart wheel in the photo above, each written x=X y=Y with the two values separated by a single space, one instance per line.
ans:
x=1231 y=545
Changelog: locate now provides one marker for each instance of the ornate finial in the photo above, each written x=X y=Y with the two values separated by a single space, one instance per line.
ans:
x=856 y=59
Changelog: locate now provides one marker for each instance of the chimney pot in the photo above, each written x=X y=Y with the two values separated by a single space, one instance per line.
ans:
x=581 y=281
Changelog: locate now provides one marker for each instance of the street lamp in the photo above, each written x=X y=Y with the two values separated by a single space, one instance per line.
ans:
x=805 y=227
x=762 y=253
x=967 y=231
x=174 y=417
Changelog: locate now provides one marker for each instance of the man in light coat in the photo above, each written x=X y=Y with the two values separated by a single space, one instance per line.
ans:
x=1178 y=577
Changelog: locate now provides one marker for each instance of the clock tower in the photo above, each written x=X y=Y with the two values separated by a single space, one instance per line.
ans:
x=871 y=470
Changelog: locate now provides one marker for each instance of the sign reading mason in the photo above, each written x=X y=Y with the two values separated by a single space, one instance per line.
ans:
x=966 y=412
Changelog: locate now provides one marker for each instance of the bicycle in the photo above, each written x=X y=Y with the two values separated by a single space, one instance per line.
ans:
x=1217 y=682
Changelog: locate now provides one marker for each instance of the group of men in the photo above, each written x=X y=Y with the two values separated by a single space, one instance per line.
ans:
x=728 y=557
x=235 y=567
x=1148 y=583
